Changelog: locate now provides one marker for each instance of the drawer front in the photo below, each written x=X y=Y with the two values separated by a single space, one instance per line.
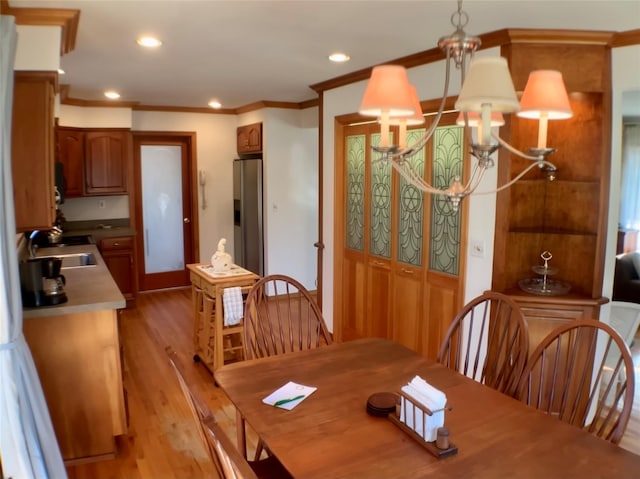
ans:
x=116 y=243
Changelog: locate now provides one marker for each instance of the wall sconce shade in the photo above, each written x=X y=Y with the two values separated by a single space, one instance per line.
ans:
x=545 y=92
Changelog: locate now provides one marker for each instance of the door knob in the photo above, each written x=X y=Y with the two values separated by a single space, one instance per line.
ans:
x=186 y=220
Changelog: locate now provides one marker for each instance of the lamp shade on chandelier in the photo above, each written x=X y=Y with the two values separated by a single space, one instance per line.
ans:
x=486 y=92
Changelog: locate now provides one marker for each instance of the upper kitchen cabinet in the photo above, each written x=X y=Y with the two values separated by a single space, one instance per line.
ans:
x=32 y=149
x=250 y=139
x=107 y=155
x=70 y=152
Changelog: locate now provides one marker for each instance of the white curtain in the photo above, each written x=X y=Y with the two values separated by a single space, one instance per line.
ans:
x=630 y=199
x=28 y=445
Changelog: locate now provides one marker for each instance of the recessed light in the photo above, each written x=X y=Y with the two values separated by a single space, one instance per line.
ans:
x=60 y=71
x=112 y=95
x=339 y=57
x=215 y=104
x=149 y=42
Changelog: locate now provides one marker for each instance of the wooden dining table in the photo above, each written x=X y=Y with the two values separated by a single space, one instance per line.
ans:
x=331 y=435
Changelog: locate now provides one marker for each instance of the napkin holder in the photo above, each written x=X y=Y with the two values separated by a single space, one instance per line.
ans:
x=418 y=407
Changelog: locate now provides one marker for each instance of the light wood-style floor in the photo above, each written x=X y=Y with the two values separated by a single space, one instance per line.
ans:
x=162 y=442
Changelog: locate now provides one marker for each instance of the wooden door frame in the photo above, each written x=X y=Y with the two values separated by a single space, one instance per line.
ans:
x=189 y=139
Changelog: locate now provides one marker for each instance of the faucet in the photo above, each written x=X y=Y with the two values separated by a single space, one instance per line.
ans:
x=32 y=248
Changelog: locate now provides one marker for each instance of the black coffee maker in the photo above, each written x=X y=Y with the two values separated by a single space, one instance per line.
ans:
x=41 y=282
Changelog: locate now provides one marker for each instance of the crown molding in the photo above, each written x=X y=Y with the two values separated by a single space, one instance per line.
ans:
x=67 y=19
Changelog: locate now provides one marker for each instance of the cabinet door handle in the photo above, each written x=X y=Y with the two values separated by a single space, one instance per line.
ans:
x=407 y=271
x=378 y=263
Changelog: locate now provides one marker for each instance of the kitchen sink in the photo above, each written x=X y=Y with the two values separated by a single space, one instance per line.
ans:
x=42 y=241
x=75 y=260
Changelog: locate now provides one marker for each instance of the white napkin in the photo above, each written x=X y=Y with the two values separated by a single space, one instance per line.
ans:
x=431 y=398
x=233 y=306
x=289 y=396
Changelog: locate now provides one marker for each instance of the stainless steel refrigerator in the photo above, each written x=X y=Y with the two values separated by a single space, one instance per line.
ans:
x=247 y=214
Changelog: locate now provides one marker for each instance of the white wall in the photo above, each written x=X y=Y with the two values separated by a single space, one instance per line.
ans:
x=291 y=193
x=429 y=82
x=38 y=48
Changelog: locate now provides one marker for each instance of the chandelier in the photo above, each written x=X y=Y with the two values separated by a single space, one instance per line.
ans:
x=486 y=92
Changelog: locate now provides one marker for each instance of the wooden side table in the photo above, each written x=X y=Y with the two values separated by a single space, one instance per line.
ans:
x=208 y=313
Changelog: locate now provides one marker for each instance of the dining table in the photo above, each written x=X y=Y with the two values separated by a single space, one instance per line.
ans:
x=330 y=434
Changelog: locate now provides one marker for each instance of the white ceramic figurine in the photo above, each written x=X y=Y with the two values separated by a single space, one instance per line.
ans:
x=221 y=261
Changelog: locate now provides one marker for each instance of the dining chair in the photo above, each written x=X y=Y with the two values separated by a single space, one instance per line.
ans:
x=281 y=316
x=226 y=458
x=571 y=375
x=488 y=341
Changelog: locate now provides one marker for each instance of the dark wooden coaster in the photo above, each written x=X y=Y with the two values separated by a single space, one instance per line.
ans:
x=382 y=404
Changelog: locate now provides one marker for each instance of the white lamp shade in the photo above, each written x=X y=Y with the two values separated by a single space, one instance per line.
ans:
x=488 y=82
x=417 y=118
x=545 y=93
x=388 y=92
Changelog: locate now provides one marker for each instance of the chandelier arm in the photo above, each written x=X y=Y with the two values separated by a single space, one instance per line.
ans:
x=515 y=151
x=476 y=178
x=539 y=163
x=422 y=141
x=407 y=172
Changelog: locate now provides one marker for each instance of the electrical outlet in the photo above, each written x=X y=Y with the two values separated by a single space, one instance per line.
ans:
x=477 y=248
x=102 y=204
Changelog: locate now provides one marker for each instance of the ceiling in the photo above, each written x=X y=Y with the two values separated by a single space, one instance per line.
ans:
x=242 y=52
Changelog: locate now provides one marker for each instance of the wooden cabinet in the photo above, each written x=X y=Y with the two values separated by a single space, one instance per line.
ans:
x=95 y=161
x=118 y=254
x=250 y=138
x=70 y=152
x=78 y=360
x=107 y=154
x=568 y=216
x=32 y=150
x=545 y=313
x=398 y=268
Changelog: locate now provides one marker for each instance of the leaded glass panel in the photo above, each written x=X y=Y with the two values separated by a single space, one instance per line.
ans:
x=410 y=209
x=448 y=162
x=355 y=191
x=380 y=234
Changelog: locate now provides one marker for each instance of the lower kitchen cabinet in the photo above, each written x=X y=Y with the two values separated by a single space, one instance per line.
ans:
x=118 y=254
x=77 y=357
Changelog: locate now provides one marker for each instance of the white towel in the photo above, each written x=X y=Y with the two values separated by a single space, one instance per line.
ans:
x=233 y=307
x=430 y=397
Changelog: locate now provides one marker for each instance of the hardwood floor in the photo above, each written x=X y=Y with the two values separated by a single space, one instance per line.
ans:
x=163 y=442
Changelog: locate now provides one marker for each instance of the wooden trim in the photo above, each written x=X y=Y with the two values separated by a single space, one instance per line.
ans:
x=491 y=40
x=320 y=243
x=38 y=75
x=625 y=39
x=66 y=99
x=66 y=19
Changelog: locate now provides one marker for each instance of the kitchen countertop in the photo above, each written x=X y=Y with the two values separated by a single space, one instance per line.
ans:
x=88 y=288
